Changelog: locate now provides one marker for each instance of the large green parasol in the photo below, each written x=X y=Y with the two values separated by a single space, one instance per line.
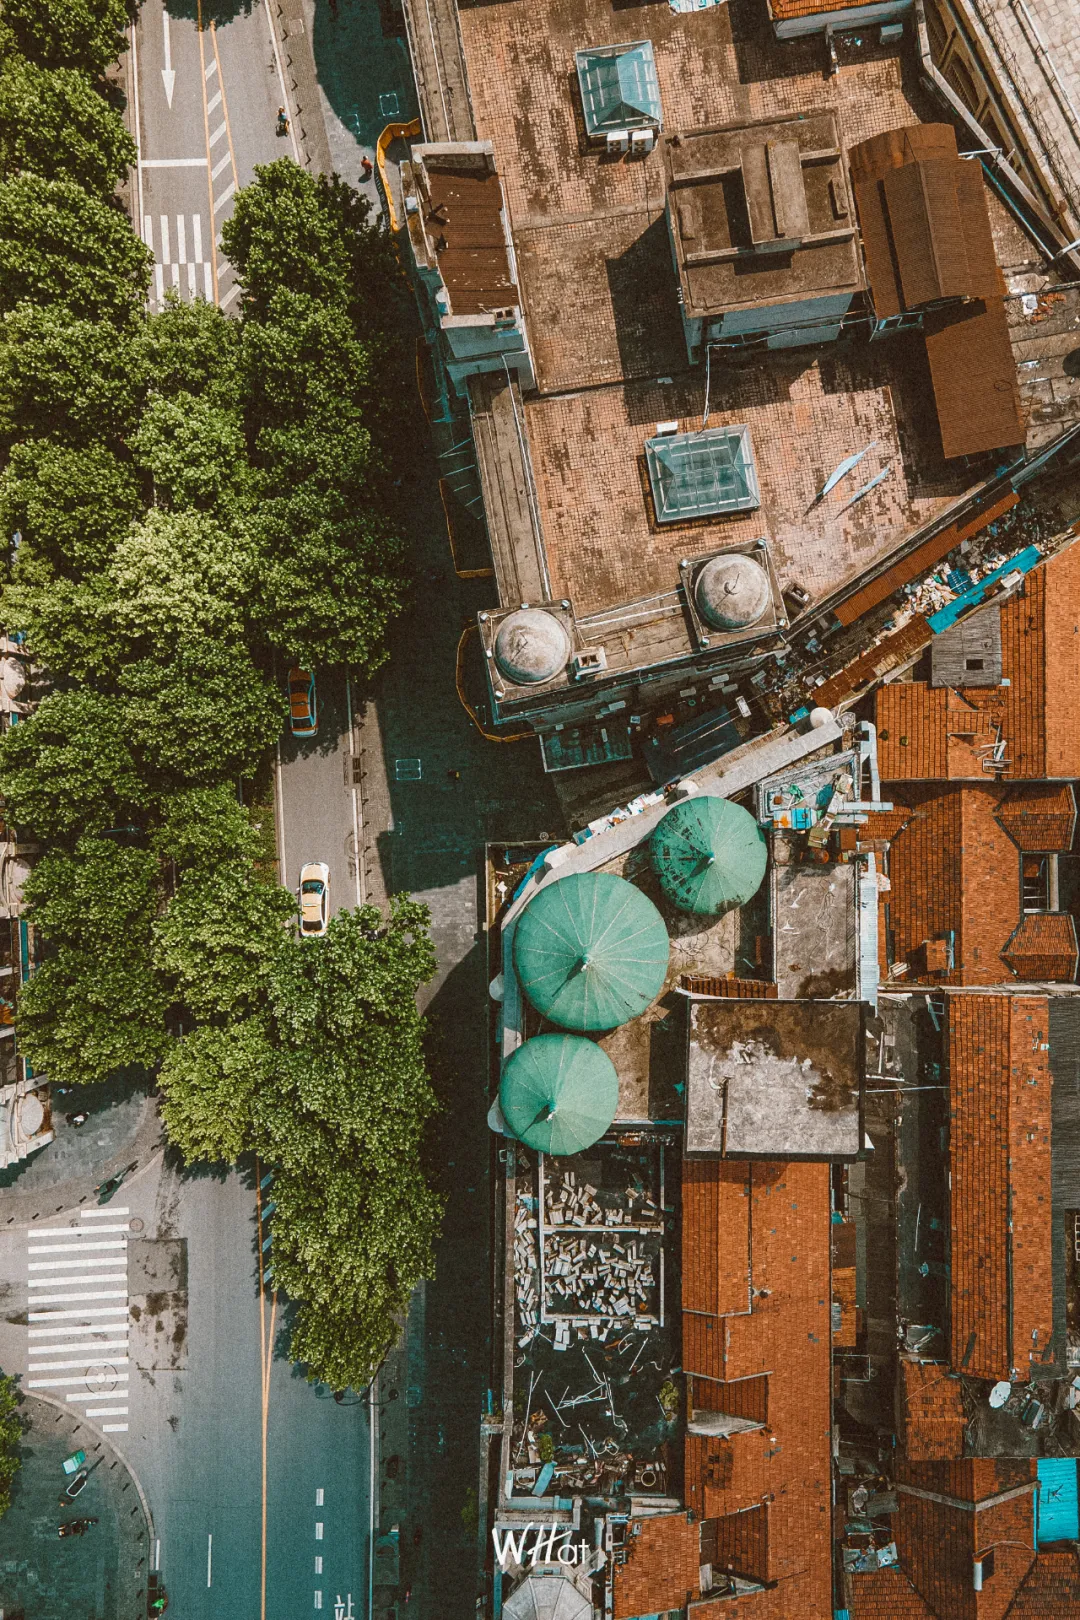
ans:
x=559 y=1093
x=591 y=951
x=709 y=855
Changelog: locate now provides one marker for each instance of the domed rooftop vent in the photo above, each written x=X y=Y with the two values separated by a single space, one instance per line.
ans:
x=531 y=646
x=732 y=592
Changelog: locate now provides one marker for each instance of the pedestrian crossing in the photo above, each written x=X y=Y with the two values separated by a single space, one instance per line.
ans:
x=78 y=1314
x=183 y=257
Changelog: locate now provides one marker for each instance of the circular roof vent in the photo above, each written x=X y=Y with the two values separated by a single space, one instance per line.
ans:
x=31 y=1114
x=732 y=593
x=531 y=646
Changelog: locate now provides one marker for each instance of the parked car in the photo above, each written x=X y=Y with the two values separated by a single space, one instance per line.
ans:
x=314 y=898
x=303 y=703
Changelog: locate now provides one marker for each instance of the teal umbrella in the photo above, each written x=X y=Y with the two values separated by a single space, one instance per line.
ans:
x=591 y=951
x=709 y=855
x=559 y=1093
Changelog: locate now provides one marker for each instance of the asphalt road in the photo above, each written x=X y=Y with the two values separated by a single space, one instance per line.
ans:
x=319 y=810
x=205 y=102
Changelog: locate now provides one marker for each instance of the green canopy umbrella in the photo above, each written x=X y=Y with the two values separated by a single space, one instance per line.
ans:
x=559 y=1093
x=591 y=951
x=709 y=855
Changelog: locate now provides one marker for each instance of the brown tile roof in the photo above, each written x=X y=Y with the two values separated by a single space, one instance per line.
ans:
x=950 y=1511
x=973 y=372
x=1001 y=1307
x=1051 y=1590
x=1043 y=949
x=887 y=1594
x=787 y=10
x=784 y=1334
x=661 y=1568
x=1040 y=659
x=889 y=653
x=1040 y=816
x=953 y=870
x=931 y=1419
x=716 y=1236
x=738 y=1543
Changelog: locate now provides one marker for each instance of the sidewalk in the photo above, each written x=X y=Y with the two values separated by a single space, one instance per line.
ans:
x=124 y=1128
x=102 y=1573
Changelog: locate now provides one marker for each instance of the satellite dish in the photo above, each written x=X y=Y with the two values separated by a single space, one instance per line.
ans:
x=1000 y=1394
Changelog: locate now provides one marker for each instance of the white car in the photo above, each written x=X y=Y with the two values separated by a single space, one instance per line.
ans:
x=314 y=895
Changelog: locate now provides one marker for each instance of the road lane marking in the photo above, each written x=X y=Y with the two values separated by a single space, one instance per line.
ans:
x=81 y=1247
x=118 y=1326
x=165 y=254
x=70 y=1350
x=159 y=283
x=225 y=195
x=222 y=163
x=281 y=81
x=209 y=72
x=191 y=282
x=318 y=1530
x=78 y=1316
x=206 y=137
x=114 y=1428
x=57 y=1282
x=171 y=163
x=214 y=103
x=228 y=297
x=319 y=1497
x=168 y=76
x=209 y=1560
x=318 y=1563
x=106 y=1411
x=67 y=1299
x=114 y=1209
x=218 y=133
x=148 y=231
x=208 y=290
x=318 y=1598
x=83 y=1361
x=196 y=237
x=67 y=1383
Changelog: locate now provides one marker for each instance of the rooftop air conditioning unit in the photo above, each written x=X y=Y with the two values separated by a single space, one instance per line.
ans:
x=589 y=661
x=618 y=140
x=642 y=141
x=664 y=430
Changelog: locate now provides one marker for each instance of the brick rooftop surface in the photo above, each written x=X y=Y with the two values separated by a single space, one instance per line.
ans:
x=786 y=1336
x=1001 y=1288
x=933 y=732
x=931 y=1415
x=1052 y=1589
x=954 y=868
x=661 y=1568
x=599 y=292
x=936 y=1541
x=887 y=1594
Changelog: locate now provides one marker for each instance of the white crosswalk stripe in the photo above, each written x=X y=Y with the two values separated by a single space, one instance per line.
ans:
x=180 y=261
x=80 y=1349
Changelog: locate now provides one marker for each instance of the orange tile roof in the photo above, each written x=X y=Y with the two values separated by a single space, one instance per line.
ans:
x=787 y=10
x=1051 y=1590
x=929 y=732
x=887 y=1594
x=784 y=1334
x=937 y=1539
x=1001 y=1316
x=661 y=1568
x=1040 y=816
x=1043 y=949
x=953 y=869
x=716 y=1236
x=931 y=1412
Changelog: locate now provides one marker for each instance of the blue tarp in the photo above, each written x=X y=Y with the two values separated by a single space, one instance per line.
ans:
x=1059 y=1519
x=1023 y=562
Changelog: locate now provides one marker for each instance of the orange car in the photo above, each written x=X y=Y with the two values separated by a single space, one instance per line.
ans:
x=303 y=705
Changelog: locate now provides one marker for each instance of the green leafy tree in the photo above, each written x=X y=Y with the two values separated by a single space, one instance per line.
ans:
x=218 y=942
x=282 y=235
x=181 y=577
x=11 y=1431
x=94 y=1007
x=71 y=504
x=60 y=245
x=189 y=348
x=87 y=34
x=208 y=1082
x=53 y=122
x=205 y=828
x=68 y=624
x=303 y=361
x=69 y=768
x=194 y=451
x=65 y=379
x=200 y=713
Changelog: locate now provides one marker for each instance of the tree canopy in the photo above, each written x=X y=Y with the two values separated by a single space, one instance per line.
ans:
x=55 y=123
x=61 y=245
x=87 y=34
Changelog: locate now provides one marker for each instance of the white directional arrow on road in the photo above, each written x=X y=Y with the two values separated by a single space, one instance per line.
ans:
x=167 y=73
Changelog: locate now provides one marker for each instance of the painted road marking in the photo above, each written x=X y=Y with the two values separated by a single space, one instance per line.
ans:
x=214 y=103
x=73 y=1341
x=318 y=1530
x=209 y=1560
x=97 y=1359
x=68 y=1383
x=222 y=163
x=80 y=1248
x=114 y=1209
x=64 y=1299
x=210 y=71
x=79 y=1316
x=318 y=1563
x=180 y=244
x=172 y=163
x=219 y=202
x=218 y=133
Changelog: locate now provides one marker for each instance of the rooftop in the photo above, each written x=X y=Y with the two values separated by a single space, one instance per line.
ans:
x=760 y=212
x=458 y=226
x=775 y=1079
x=1001 y=1315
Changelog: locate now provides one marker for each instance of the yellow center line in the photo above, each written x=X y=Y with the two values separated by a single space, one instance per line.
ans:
x=209 y=155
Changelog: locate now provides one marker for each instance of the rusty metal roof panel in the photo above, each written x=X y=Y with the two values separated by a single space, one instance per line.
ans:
x=974 y=378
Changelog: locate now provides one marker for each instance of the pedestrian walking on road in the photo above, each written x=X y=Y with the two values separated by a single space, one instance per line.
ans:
x=367 y=166
x=282 y=121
